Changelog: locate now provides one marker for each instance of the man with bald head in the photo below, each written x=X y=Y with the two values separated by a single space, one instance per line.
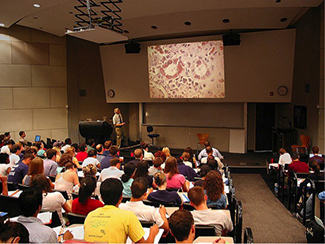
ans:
x=138 y=154
x=118 y=124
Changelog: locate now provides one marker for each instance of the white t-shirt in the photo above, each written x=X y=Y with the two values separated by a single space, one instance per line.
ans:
x=285 y=159
x=3 y=169
x=188 y=163
x=218 y=218
x=111 y=172
x=143 y=212
x=14 y=159
x=5 y=149
x=90 y=160
x=148 y=156
x=53 y=201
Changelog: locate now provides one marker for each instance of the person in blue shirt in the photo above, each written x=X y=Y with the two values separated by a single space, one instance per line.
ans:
x=19 y=171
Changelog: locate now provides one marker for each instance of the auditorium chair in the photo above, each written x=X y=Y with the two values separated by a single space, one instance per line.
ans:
x=157 y=204
x=204 y=230
x=125 y=199
x=147 y=224
x=76 y=218
x=23 y=187
x=248 y=236
x=152 y=136
x=302 y=149
x=10 y=205
x=64 y=194
x=203 y=137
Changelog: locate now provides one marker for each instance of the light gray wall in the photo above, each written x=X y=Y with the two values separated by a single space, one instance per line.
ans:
x=33 y=83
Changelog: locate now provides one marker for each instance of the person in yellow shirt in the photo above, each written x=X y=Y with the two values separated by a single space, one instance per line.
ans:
x=111 y=224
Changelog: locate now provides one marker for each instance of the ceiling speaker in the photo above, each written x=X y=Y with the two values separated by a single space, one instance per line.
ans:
x=231 y=39
x=132 y=47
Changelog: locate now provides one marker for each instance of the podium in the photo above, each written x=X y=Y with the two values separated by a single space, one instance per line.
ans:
x=283 y=138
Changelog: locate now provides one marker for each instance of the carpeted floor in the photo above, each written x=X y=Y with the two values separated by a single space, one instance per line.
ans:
x=269 y=220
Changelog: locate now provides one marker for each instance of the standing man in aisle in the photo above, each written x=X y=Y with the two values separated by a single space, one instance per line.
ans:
x=118 y=124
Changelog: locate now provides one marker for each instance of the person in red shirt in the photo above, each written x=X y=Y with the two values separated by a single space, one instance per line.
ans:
x=82 y=154
x=84 y=203
x=296 y=165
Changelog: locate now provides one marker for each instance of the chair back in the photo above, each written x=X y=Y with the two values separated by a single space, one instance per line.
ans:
x=157 y=204
x=248 y=236
x=76 y=218
x=125 y=199
x=305 y=141
x=147 y=224
x=23 y=187
x=64 y=194
x=149 y=129
x=203 y=137
x=204 y=230
x=55 y=220
x=10 y=205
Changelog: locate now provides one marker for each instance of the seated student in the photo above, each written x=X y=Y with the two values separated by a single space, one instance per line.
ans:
x=113 y=171
x=144 y=212
x=319 y=159
x=162 y=195
x=126 y=178
x=91 y=159
x=285 y=157
x=138 y=154
x=4 y=181
x=111 y=224
x=91 y=170
x=100 y=150
x=67 y=180
x=30 y=203
x=296 y=165
x=204 y=216
x=209 y=152
x=192 y=158
x=13 y=232
x=82 y=154
x=84 y=203
x=146 y=154
x=157 y=162
x=50 y=165
x=15 y=152
x=36 y=167
x=182 y=227
x=205 y=169
x=107 y=146
x=186 y=157
x=19 y=171
x=174 y=178
x=186 y=170
x=72 y=152
x=142 y=171
x=52 y=200
x=112 y=153
x=214 y=189
x=204 y=153
x=4 y=164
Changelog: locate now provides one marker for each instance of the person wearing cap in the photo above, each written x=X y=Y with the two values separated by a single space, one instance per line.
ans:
x=118 y=124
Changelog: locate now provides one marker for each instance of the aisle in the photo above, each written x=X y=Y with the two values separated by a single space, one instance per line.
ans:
x=269 y=220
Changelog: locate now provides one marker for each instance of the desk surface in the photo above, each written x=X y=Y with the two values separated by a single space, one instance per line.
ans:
x=211 y=239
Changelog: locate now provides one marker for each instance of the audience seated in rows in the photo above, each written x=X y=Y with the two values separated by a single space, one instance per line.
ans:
x=112 y=153
x=204 y=216
x=146 y=154
x=142 y=171
x=67 y=180
x=50 y=165
x=91 y=159
x=144 y=212
x=204 y=153
x=19 y=171
x=36 y=167
x=84 y=203
x=174 y=178
x=113 y=171
x=111 y=224
x=214 y=189
x=296 y=165
x=13 y=232
x=157 y=162
x=162 y=195
x=127 y=179
x=53 y=201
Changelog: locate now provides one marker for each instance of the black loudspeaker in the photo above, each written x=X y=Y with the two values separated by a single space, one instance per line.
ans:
x=97 y=130
x=231 y=39
x=132 y=47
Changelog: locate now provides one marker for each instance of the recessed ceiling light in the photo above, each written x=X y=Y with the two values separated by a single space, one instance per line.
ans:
x=126 y=31
x=2 y=24
x=278 y=1
x=187 y=23
x=283 y=19
x=225 y=20
x=35 y=17
x=154 y=27
x=36 y=5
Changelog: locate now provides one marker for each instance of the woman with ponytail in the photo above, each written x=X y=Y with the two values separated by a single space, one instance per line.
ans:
x=84 y=203
x=127 y=179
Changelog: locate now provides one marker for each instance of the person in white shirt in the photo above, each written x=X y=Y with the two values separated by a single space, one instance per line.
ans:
x=285 y=158
x=186 y=157
x=204 y=153
x=14 y=156
x=204 y=216
x=67 y=144
x=142 y=211
x=91 y=159
x=146 y=154
x=113 y=171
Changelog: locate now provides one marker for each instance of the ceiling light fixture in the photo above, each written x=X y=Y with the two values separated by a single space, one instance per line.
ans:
x=187 y=23
x=283 y=19
x=2 y=24
x=36 y=5
x=225 y=21
x=154 y=27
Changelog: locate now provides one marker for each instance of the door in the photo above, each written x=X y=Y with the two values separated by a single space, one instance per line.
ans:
x=265 y=122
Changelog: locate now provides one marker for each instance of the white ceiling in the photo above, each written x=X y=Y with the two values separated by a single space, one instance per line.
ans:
x=56 y=16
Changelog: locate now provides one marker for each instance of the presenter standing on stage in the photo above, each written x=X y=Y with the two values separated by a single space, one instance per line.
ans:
x=118 y=124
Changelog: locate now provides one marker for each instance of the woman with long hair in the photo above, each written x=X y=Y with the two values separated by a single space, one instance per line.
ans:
x=192 y=158
x=52 y=200
x=36 y=167
x=142 y=171
x=174 y=178
x=214 y=189
x=72 y=152
x=162 y=195
x=126 y=178
x=91 y=170
x=67 y=180
x=84 y=203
